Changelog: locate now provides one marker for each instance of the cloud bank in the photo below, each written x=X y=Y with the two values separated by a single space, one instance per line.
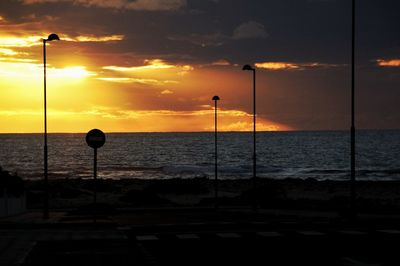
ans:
x=250 y=30
x=146 y=5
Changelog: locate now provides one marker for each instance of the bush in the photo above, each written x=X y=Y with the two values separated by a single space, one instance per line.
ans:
x=141 y=197
x=65 y=191
x=101 y=185
x=267 y=195
x=90 y=209
x=179 y=186
x=13 y=184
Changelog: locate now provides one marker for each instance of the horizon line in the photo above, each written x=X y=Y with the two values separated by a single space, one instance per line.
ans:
x=249 y=131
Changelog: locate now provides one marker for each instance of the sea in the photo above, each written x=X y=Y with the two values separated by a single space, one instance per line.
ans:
x=321 y=155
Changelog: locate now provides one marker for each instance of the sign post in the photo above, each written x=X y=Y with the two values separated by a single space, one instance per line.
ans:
x=95 y=139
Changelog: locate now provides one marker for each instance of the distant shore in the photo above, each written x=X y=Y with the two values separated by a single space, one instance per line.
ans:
x=375 y=196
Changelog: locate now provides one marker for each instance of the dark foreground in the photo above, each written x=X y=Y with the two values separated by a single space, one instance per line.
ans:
x=195 y=236
x=372 y=196
x=174 y=222
x=243 y=248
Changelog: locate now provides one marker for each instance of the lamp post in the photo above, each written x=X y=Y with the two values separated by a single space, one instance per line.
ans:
x=352 y=130
x=52 y=37
x=216 y=99
x=250 y=68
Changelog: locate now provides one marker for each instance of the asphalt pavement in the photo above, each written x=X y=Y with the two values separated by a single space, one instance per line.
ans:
x=201 y=237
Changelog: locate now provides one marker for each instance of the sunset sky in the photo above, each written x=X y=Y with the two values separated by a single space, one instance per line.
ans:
x=154 y=65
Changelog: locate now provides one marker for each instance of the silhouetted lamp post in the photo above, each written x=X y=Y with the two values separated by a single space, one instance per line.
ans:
x=352 y=134
x=250 y=68
x=52 y=37
x=216 y=99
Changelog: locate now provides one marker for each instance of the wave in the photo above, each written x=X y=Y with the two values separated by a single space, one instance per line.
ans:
x=206 y=170
x=134 y=168
x=326 y=171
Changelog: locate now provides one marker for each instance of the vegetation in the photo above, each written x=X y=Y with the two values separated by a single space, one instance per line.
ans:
x=11 y=184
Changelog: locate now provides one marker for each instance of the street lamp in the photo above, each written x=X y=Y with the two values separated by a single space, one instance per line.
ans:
x=216 y=99
x=250 y=68
x=52 y=37
x=352 y=129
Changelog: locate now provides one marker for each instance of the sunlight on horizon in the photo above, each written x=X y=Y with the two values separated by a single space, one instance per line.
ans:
x=30 y=121
x=145 y=97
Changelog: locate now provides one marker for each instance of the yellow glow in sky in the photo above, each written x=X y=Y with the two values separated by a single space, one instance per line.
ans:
x=152 y=95
x=75 y=72
x=26 y=41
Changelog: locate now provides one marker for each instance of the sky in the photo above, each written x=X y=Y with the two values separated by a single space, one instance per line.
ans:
x=154 y=65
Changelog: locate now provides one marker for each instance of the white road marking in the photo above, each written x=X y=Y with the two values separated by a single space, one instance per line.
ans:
x=226 y=223
x=269 y=234
x=311 y=233
x=260 y=223
x=228 y=235
x=124 y=228
x=146 y=238
x=351 y=232
x=187 y=236
x=389 y=231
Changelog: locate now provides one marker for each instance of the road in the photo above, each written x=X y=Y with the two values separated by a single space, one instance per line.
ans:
x=264 y=246
x=193 y=238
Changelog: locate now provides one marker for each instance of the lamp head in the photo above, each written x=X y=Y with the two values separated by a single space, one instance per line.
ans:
x=247 y=67
x=53 y=37
x=215 y=98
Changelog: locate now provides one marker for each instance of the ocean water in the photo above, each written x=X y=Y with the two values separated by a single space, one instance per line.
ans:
x=314 y=154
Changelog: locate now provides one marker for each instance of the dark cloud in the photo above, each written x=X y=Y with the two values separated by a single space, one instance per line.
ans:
x=250 y=30
x=204 y=40
x=144 y=5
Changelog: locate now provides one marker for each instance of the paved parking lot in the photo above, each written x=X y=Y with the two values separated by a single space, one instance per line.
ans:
x=258 y=240
x=337 y=247
x=17 y=244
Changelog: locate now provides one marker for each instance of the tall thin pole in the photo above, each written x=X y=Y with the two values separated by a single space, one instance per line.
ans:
x=353 y=146
x=46 y=182
x=95 y=185
x=216 y=156
x=95 y=176
x=254 y=142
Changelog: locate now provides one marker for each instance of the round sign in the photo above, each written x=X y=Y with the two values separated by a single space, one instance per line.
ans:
x=95 y=138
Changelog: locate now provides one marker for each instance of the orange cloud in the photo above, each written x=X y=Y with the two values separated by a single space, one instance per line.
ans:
x=248 y=126
x=229 y=120
x=26 y=69
x=149 y=64
x=221 y=62
x=10 y=59
x=92 y=38
x=153 y=5
x=164 y=92
x=5 y=51
x=153 y=64
x=118 y=120
x=292 y=66
x=388 y=63
x=277 y=65
x=71 y=72
x=139 y=81
x=34 y=40
x=25 y=41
